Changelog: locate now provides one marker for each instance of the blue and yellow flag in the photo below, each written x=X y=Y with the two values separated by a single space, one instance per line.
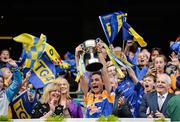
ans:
x=34 y=47
x=111 y=24
x=21 y=106
x=55 y=57
x=43 y=72
x=126 y=35
x=136 y=36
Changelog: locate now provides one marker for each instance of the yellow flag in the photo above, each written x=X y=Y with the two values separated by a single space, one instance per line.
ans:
x=54 y=56
x=138 y=38
x=34 y=47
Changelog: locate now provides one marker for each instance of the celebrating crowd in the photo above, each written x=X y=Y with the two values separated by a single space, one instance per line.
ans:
x=148 y=86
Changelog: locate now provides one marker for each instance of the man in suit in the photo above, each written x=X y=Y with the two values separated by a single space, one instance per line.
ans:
x=154 y=104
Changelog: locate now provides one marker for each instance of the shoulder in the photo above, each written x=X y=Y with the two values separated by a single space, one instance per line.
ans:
x=149 y=95
x=171 y=95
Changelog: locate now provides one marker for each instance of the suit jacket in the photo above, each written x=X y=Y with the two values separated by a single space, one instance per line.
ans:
x=150 y=100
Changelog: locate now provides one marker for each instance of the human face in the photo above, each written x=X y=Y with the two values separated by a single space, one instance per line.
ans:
x=142 y=59
x=96 y=83
x=131 y=55
x=6 y=73
x=4 y=55
x=148 y=84
x=159 y=63
x=55 y=96
x=63 y=86
x=117 y=51
x=162 y=85
x=1 y=83
x=111 y=71
x=154 y=54
x=113 y=82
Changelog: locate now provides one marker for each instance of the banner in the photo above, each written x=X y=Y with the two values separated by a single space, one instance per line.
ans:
x=111 y=24
x=34 y=48
x=55 y=57
x=135 y=35
x=21 y=107
x=43 y=72
x=126 y=35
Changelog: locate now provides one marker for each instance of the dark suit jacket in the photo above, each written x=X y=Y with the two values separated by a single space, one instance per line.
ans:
x=150 y=100
x=123 y=111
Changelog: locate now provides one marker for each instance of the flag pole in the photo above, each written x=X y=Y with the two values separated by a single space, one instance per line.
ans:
x=104 y=31
x=123 y=46
x=6 y=37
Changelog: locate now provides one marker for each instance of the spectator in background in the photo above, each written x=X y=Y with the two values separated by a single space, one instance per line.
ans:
x=50 y=104
x=173 y=106
x=71 y=109
x=147 y=53
x=7 y=93
x=112 y=74
x=154 y=104
x=4 y=57
x=154 y=53
x=149 y=83
x=160 y=64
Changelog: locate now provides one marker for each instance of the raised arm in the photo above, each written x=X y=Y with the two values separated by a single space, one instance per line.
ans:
x=13 y=89
x=105 y=75
x=83 y=80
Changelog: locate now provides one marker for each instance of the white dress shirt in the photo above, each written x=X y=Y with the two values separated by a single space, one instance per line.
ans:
x=161 y=99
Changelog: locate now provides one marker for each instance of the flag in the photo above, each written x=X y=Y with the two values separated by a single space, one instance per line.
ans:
x=34 y=47
x=22 y=58
x=54 y=56
x=126 y=35
x=135 y=35
x=43 y=72
x=111 y=24
x=21 y=106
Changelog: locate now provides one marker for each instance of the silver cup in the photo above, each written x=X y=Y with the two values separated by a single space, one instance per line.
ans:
x=91 y=59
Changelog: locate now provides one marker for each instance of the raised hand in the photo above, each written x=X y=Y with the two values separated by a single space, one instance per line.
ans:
x=12 y=62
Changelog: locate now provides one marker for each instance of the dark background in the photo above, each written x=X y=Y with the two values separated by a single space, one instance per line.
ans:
x=68 y=23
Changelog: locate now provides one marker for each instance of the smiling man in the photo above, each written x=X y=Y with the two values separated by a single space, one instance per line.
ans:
x=154 y=104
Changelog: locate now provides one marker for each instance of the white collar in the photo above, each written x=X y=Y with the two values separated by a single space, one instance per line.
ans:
x=165 y=94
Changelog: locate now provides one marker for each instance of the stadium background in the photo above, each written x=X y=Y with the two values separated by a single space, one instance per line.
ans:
x=68 y=23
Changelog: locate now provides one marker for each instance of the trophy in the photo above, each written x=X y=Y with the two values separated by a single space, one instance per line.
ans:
x=91 y=59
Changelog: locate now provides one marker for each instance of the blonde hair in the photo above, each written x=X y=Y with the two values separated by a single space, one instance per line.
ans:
x=47 y=89
x=58 y=80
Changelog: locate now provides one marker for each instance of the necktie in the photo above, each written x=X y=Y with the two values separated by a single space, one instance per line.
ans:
x=160 y=101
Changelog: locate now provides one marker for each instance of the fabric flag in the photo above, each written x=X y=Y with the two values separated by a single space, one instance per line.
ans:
x=54 y=56
x=136 y=36
x=111 y=24
x=110 y=54
x=126 y=35
x=22 y=106
x=22 y=58
x=69 y=56
x=34 y=47
x=43 y=72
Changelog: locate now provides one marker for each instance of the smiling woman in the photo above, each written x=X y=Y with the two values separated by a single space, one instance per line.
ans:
x=71 y=109
x=50 y=104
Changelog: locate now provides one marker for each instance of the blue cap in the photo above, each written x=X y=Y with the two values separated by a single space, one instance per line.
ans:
x=178 y=82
